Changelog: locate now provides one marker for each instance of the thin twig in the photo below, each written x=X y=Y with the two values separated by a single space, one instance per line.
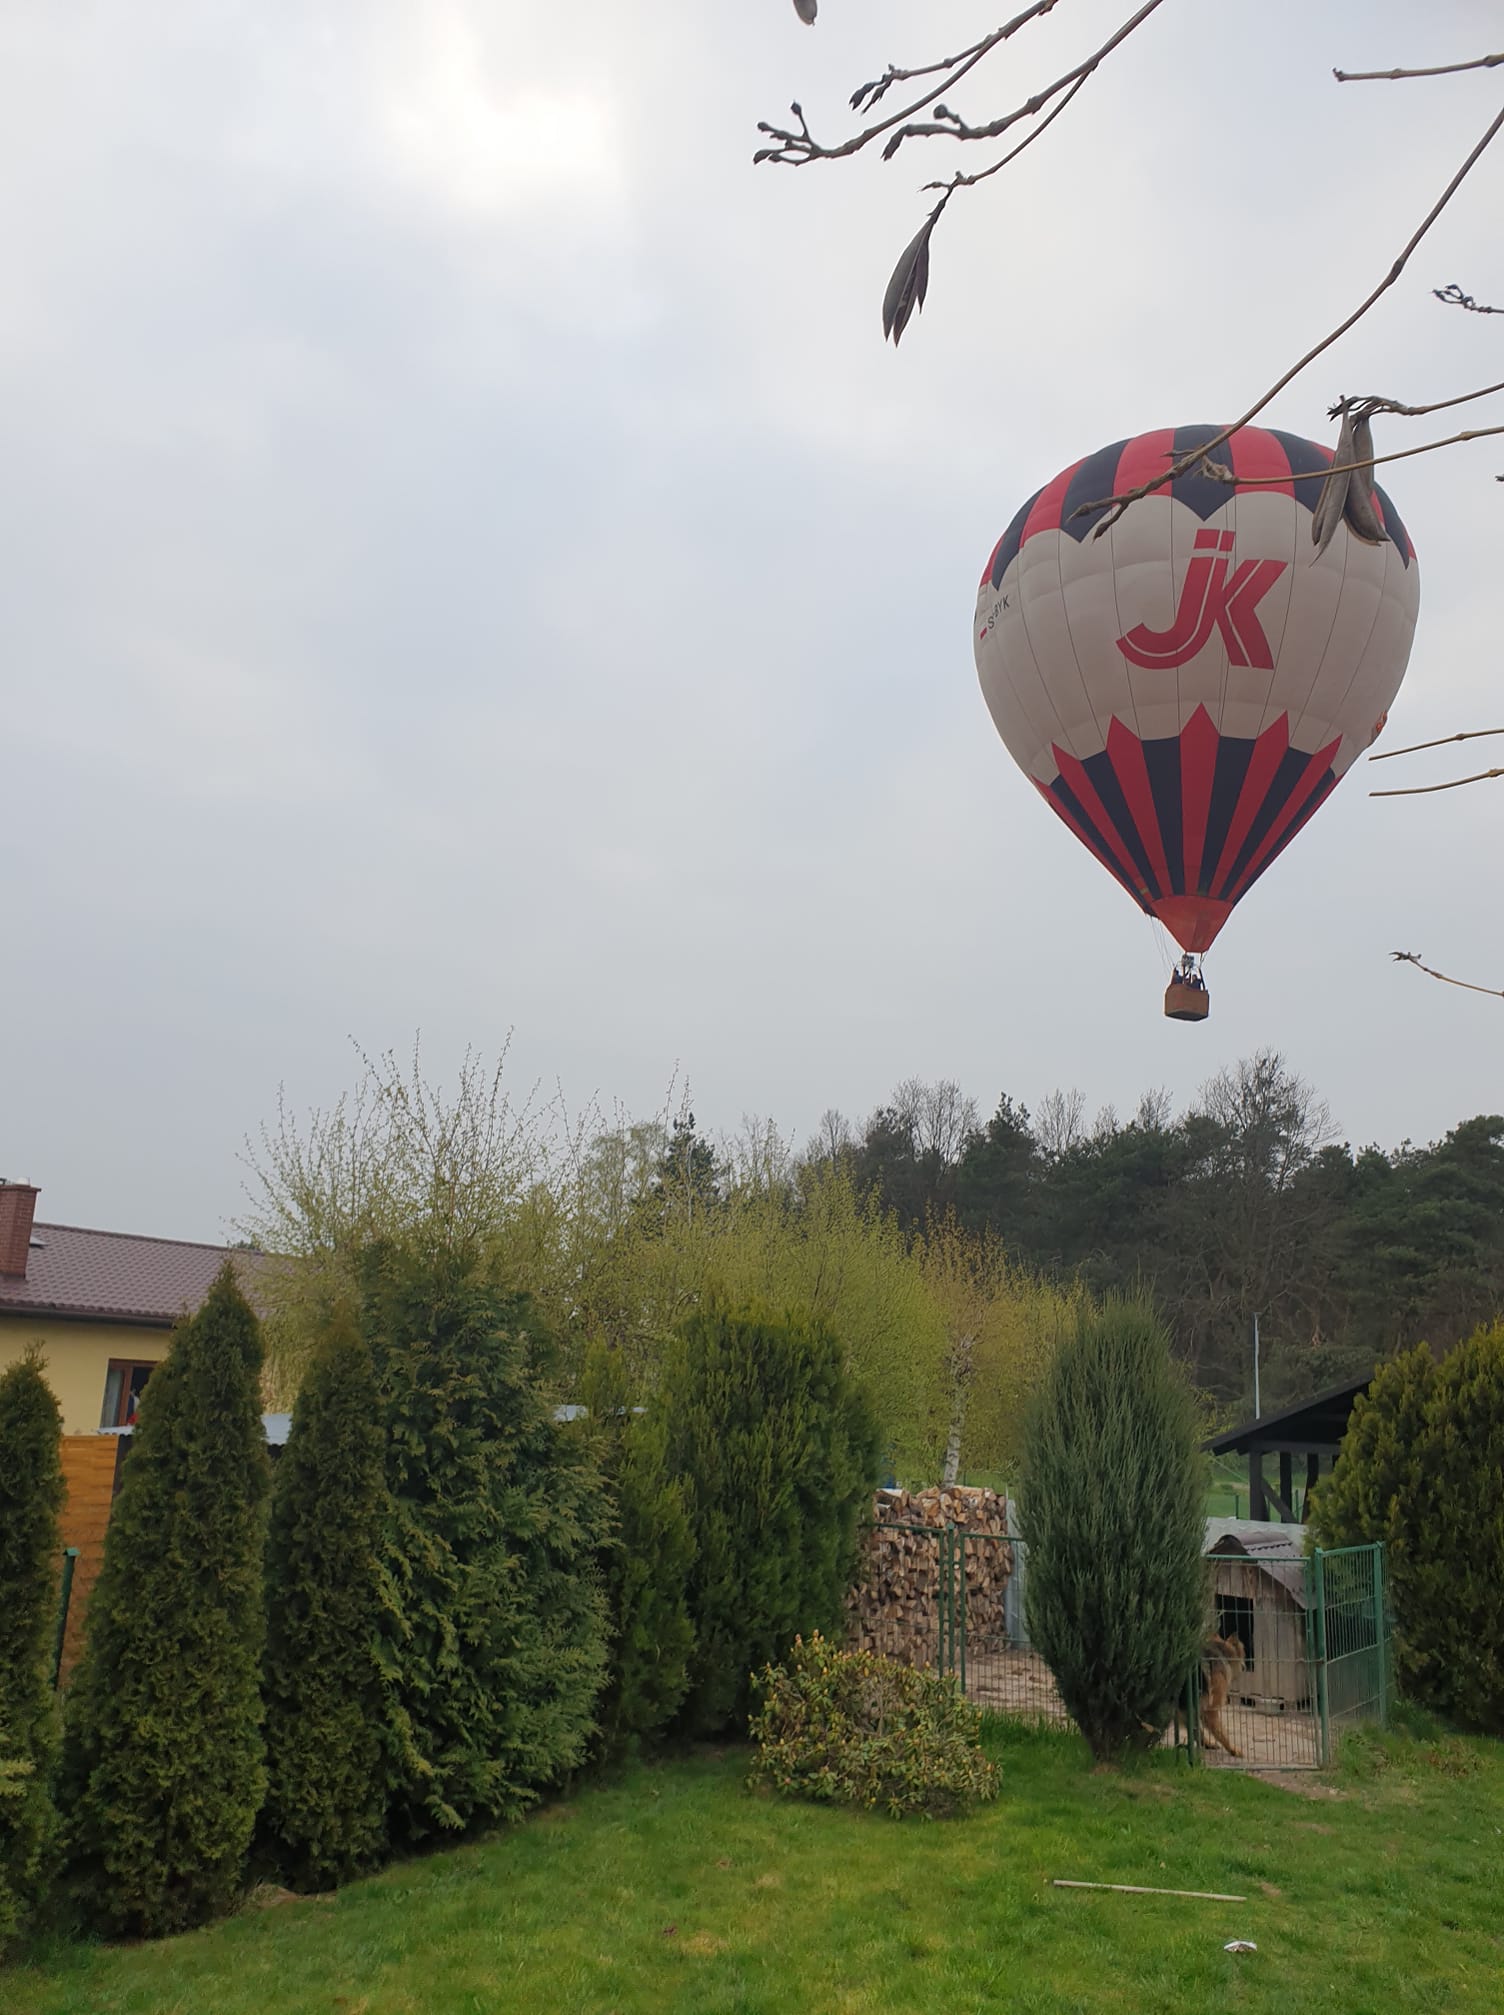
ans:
x=1116 y=505
x=1342 y=468
x=1455 y=298
x=1436 y=70
x=1442 y=742
x=797 y=149
x=1423 y=790
x=954 y=128
x=1372 y=405
x=969 y=181
x=1412 y=959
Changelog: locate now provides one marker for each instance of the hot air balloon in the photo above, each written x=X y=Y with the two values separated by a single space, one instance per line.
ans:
x=1186 y=690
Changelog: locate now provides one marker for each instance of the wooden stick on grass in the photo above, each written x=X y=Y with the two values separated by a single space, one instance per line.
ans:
x=1133 y=1889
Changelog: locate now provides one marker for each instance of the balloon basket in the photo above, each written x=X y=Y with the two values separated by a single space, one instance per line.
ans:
x=1187 y=1003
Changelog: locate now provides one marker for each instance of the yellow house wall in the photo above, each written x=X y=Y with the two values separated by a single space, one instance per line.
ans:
x=76 y=1358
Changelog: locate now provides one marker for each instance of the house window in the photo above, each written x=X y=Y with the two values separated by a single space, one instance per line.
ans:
x=1235 y=1619
x=124 y=1383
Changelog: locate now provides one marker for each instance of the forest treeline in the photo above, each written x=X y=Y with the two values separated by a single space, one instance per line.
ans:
x=947 y=1250
x=1242 y=1204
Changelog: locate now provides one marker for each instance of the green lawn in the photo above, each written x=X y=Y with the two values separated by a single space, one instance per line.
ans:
x=677 y=1892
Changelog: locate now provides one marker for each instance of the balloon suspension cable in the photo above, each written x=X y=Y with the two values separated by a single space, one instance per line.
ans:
x=1163 y=946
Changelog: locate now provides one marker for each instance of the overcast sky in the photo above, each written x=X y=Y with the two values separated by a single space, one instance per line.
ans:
x=471 y=563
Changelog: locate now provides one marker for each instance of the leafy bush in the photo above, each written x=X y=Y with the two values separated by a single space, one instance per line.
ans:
x=162 y=1762
x=852 y=1728
x=645 y=1565
x=326 y=1708
x=1113 y=1495
x=779 y=1452
x=494 y=1645
x=1420 y=1469
x=31 y=1496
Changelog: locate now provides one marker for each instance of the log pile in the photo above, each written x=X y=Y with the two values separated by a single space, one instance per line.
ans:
x=895 y=1607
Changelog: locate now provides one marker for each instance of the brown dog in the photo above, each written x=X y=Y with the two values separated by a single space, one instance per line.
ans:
x=1221 y=1661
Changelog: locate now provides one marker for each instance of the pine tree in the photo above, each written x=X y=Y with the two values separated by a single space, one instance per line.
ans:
x=495 y=1644
x=31 y=1496
x=645 y=1566
x=1112 y=1499
x=162 y=1772
x=324 y=1820
x=779 y=1451
x=1419 y=1470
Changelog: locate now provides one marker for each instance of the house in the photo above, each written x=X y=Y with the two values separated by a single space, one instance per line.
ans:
x=102 y=1305
x=1309 y=1433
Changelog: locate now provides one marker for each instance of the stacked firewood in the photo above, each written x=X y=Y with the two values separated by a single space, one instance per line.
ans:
x=896 y=1605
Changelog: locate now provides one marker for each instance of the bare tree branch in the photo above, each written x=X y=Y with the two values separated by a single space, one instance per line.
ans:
x=1116 y=505
x=1412 y=959
x=1442 y=742
x=1370 y=405
x=797 y=149
x=1436 y=70
x=1423 y=790
x=951 y=127
x=1455 y=298
x=1220 y=473
x=969 y=181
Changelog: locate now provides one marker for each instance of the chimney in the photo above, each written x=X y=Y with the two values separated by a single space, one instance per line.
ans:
x=18 y=1206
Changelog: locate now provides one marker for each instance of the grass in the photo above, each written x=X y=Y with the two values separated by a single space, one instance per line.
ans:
x=1226 y=1490
x=677 y=1892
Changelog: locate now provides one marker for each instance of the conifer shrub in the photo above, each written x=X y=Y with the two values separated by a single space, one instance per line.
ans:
x=162 y=1773
x=1113 y=1511
x=644 y=1566
x=324 y=1820
x=854 y=1728
x=31 y=1497
x=1420 y=1469
x=779 y=1451
x=494 y=1644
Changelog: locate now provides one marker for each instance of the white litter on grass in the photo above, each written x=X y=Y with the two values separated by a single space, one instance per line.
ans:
x=1240 y=1945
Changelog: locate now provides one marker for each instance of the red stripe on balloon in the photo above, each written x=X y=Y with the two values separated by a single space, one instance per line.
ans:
x=1126 y=754
x=1048 y=505
x=1287 y=821
x=1198 y=767
x=1064 y=813
x=1256 y=455
x=1145 y=456
x=1075 y=775
x=1263 y=767
x=991 y=558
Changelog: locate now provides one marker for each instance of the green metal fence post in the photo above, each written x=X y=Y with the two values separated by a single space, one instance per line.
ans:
x=1318 y=1566
x=70 y=1556
x=942 y=1617
x=1380 y=1638
x=961 y=1638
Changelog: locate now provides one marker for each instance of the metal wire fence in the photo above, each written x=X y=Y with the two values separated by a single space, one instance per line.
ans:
x=1297 y=1646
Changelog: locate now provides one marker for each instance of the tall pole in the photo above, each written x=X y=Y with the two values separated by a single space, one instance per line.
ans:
x=1257 y=1414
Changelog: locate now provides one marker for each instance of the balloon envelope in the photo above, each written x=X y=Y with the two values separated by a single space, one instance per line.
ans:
x=1189 y=688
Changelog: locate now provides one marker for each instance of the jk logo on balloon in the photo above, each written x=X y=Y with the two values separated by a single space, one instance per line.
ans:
x=1212 y=598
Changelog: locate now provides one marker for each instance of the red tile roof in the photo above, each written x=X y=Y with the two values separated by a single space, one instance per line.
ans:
x=113 y=1276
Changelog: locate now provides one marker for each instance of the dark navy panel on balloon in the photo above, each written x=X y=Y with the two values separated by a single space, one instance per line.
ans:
x=1008 y=544
x=1204 y=494
x=1162 y=760
x=1233 y=758
x=1091 y=833
x=1293 y=765
x=1096 y=477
